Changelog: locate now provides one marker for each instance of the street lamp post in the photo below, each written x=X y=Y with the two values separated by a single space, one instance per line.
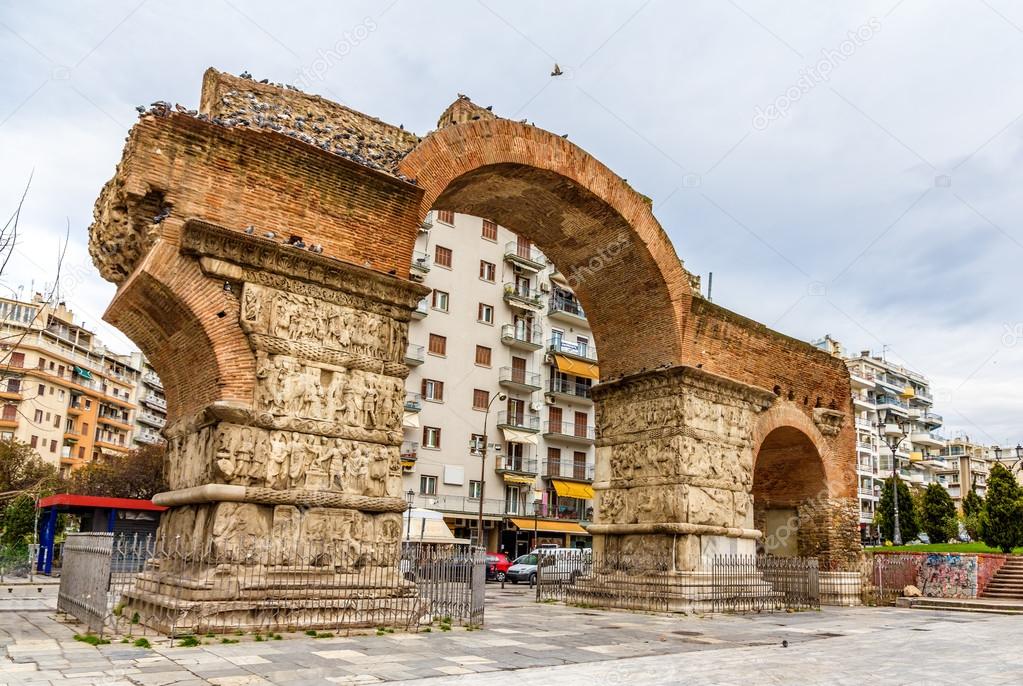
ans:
x=893 y=439
x=483 y=464
x=537 y=504
x=410 y=497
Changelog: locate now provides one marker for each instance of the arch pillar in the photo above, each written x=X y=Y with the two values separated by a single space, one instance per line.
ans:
x=675 y=466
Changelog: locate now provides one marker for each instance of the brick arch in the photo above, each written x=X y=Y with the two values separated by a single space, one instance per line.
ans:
x=598 y=231
x=783 y=420
x=169 y=308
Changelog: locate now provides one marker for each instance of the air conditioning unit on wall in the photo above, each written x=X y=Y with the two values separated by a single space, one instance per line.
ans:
x=549 y=399
x=536 y=406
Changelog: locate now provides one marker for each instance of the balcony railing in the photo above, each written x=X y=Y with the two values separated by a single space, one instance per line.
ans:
x=519 y=465
x=864 y=424
x=422 y=309
x=518 y=420
x=570 y=431
x=150 y=418
x=520 y=379
x=421 y=261
x=527 y=338
x=461 y=504
x=514 y=294
x=155 y=401
x=413 y=402
x=148 y=437
x=415 y=355
x=558 y=305
x=409 y=451
x=583 y=351
x=525 y=255
x=568 y=469
x=568 y=387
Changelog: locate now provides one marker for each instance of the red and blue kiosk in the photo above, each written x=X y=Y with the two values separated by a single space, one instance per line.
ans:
x=124 y=516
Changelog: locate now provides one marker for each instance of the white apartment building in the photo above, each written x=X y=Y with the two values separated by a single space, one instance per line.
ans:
x=151 y=416
x=965 y=465
x=879 y=386
x=499 y=320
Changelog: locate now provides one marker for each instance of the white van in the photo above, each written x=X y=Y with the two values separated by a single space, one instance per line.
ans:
x=557 y=564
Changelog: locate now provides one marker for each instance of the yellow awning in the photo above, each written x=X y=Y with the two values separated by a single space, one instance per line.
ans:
x=577 y=367
x=569 y=489
x=555 y=527
x=518 y=479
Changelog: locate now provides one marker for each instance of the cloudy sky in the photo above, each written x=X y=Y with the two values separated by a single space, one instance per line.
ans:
x=843 y=168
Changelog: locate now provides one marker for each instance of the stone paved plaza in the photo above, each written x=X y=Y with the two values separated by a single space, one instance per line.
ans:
x=552 y=643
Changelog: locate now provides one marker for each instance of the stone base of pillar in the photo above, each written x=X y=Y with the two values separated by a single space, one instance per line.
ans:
x=225 y=598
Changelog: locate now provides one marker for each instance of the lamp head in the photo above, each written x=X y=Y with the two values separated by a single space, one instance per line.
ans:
x=502 y=396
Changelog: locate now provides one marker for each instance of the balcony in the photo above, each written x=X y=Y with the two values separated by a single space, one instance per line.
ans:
x=864 y=447
x=521 y=337
x=421 y=262
x=151 y=419
x=518 y=420
x=460 y=504
x=409 y=454
x=415 y=355
x=861 y=379
x=515 y=465
x=931 y=419
x=109 y=445
x=927 y=438
x=568 y=470
x=149 y=437
x=864 y=424
x=426 y=225
x=413 y=402
x=11 y=423
x=568 y=388
x=114 y=420
x=152 y=379
x=585 y=351
x=523 y=298
x=570 y=432
x=565 y=309
x=525 y=256
x=422 y=309
x=155 y=401
x=895 y=405
x=864 y=401
x=519 y=379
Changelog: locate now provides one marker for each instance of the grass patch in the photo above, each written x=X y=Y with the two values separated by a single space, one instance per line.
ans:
x=142 y=643
x=91 y=639
x=189 y=642
x=974 y=547
x=323 y=634
x=226 y=640
x=311 y=632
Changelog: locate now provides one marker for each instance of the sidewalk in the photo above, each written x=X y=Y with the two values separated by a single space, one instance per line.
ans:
x=520 y=635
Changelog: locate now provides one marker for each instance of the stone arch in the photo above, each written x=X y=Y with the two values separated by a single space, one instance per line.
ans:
x=599 y=232
x=793 y=482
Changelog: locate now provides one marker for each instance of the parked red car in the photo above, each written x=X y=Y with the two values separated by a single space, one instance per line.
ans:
x=497 y=566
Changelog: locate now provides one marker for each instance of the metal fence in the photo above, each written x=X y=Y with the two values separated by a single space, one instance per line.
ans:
x=723 y=583
x=137 y=584
x=888 y=577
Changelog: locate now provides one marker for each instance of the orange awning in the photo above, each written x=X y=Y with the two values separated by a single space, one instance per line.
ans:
x=553 y=527
x=577 y=367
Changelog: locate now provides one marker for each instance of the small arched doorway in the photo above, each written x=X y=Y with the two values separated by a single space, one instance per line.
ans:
x=789 y=487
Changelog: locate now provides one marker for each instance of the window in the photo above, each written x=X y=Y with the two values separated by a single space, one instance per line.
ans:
x=512 y=500
x=7 y=436
x=485 y=313
x=53 y=446
x=56 y=420
x=553 y=461
x=17 y=359
x=488 y=271
x=438 y=344
x=38 y=416
x=433 y=390
x=475 y=489
x=440 y=300
x=431 y=437
x=10 y=412
x=442 y=256
x=490 y=230
x=81 y=452
x=483 y=354
x=85 y=428
x=476 y=444
x=446 y=216
x=13 y=385
x=42 y=390
x=428 y=485
x=480 y=399
x=34 y=441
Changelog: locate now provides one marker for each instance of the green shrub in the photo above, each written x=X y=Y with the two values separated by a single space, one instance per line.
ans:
x=1001 y=524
